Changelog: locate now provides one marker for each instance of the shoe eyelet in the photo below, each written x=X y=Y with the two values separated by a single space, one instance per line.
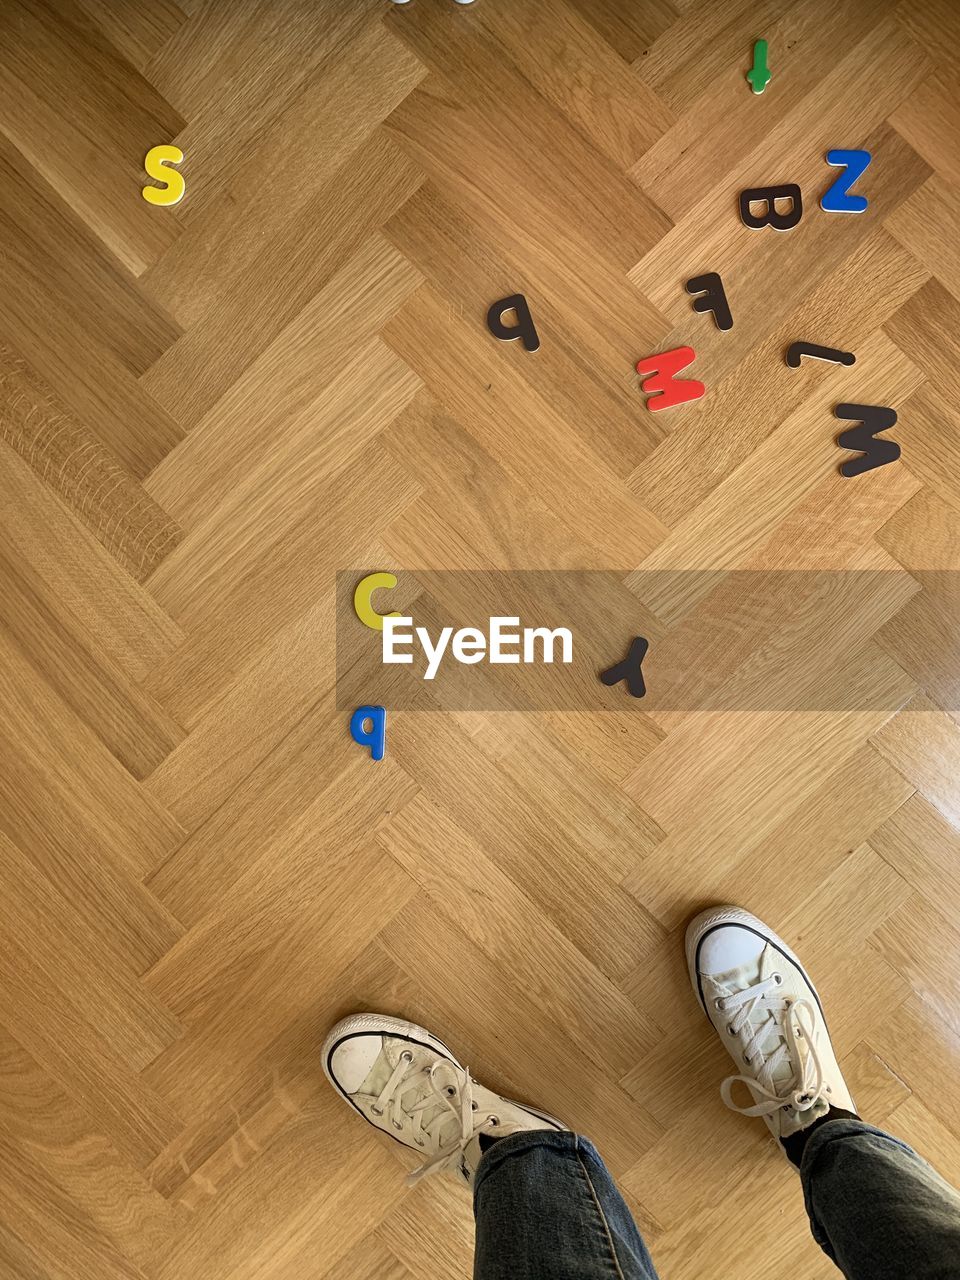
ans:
x=778 y=978
x=718 y=1004
x=731 y=1029
x=419 y=1143
x=747 y=1060
x=473 y=1106
x=829 y=1090
x=406 y=1056
x=377 y=1111
x=398 y=1127
x=494 y=1120
x=450 y=1091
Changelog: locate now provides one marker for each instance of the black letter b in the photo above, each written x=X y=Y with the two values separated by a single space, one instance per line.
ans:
x=771 y=217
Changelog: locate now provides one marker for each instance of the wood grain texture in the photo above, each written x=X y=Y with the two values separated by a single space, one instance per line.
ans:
x=208 y=411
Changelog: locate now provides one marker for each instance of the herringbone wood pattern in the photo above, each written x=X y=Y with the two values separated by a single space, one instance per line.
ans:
x=207 y=410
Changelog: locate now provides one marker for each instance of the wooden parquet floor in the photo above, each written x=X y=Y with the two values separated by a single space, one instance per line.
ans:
x=209 y=409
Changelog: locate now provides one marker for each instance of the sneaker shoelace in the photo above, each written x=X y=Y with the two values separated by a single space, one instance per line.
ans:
x=793 y=1023
x=454 y=1119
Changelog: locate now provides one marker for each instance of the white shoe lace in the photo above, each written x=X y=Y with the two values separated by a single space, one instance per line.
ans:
x=805 y=1086
x=449 y=1102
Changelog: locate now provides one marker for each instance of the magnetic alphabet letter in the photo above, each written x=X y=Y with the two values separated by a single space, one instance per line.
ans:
x=630 y=668
x=156 y=164
x=658 y=372
x=714 y=299
x=836 y=198
x=376 y=736
x=361 y=599
x=524 y=329
x=771 y=217
x=758 y=77
x=874 y=453
x=798 y=349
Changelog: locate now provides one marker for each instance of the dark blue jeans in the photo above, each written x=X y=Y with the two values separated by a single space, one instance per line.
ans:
x=547 y=1209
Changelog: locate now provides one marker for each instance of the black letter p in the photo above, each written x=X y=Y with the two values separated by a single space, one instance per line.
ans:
x=524 y=328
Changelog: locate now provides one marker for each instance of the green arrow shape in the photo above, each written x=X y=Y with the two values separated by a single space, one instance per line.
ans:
x=759 y=75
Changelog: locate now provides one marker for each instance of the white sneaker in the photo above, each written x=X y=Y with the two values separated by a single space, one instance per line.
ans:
x=406 y=1082
x=767 y=1013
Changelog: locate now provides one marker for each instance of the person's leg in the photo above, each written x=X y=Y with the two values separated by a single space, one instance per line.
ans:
x=875 y=1208
x=546 y=1207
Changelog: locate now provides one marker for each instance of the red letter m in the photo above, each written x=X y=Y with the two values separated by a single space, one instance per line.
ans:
x=658 y=373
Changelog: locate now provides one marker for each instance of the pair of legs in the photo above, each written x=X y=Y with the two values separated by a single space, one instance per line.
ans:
x=545 y=1205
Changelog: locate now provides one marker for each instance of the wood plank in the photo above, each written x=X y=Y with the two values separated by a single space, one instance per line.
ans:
x=135 y=730
x=507 y=925
x=923 y=743
x=897 y=1040
x=929 y=223
x=923 y=844
x=81 y=470
x=284 y=385
x=631 y=29
x=557 y=51
x=80 y=283
x=925 y=329
x=924 y=948
x=283 y=276
x=116 y=117
x=538 y=160
x=493 y=401
x=58 y=780
x=353 y=893
x=65 y=1186
x=326 y=1211
x=719 y=432
x=137 y=30
x=576 y=889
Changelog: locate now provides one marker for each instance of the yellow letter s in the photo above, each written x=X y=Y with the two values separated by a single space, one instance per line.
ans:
x=155 y=163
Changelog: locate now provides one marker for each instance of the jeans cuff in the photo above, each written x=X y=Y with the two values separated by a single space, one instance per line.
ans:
x=517 y=1143
x=835 y=1131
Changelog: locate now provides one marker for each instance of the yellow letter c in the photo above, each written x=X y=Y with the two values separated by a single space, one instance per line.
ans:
x=361 y=599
